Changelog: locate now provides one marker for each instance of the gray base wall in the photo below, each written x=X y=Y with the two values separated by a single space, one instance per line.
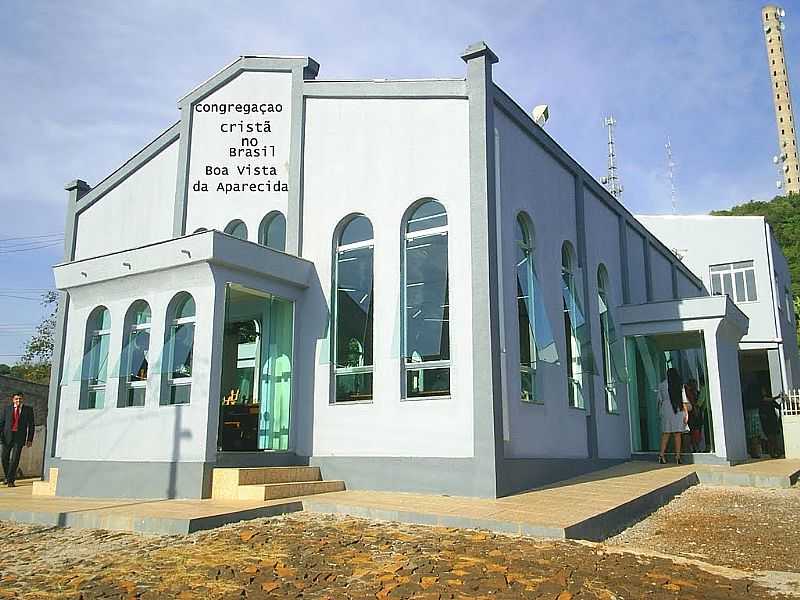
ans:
x=447 y=476
x=135 y=480
x=520 y=474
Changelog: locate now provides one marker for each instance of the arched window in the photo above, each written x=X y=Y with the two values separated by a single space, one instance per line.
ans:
x=426 y=303
x=353 y=311
x=135 y=355
x=606 y=338
x=573 y=323
x=178 y=349
x=272 y=231
x=523 y=259
x=237 y=229
x=95 y=359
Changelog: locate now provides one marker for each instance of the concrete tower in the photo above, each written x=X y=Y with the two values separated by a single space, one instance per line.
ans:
x=771 y=19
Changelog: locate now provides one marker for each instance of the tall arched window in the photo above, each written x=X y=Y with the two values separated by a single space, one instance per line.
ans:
x=179 y=349
x=426 y=302
x=272 y=231
x=135 y=356
x=614 y=370
x=95 y=359
x=525 y=308
x=573 y=322
x=353 y=311
x=237 y=229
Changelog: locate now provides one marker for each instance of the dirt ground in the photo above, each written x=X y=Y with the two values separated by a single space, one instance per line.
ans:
x=320 y=556
x=744 y=528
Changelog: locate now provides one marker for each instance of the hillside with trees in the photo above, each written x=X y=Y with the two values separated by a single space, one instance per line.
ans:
x=783 y=215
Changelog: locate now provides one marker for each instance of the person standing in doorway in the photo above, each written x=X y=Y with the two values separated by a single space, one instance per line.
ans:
x=673 y=408
x=16 y=431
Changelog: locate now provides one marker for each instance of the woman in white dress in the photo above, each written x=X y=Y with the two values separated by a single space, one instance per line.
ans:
x=673 y=408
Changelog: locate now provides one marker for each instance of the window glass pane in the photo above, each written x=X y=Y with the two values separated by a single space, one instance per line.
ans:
x=358 y=229
x=237 y=229
x=720 y=268
x=427 y=329
x=141 y=313
x=182 y=345
x=354 y=308
x=137 y=350
x=427 y=382
x=716 y=285
x=179 y=394
x=134 y=397
x=352 y=387
x=185 y=308
x=94 y=398
x=275 y=233
x=750 y=279
x=98 y=359
x=528 y=384
x=428 y=215
x=738 y=277
x=727 y=284
x=742 y=265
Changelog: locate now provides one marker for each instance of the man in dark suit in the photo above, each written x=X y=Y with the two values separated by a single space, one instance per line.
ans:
x=16 y=431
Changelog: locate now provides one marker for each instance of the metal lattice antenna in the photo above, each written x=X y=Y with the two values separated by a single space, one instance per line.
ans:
x=611 y=181
x=673 y=193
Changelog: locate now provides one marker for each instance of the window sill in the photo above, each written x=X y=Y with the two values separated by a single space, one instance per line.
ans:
x=350 y=402
x=423 y=398
x=581 y=408
x=532 y=402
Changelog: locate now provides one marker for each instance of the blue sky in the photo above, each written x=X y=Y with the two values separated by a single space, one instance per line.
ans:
x=86 y=84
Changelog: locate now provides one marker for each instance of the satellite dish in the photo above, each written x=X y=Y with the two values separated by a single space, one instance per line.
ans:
x=767 y=28
x=774 y=160
x=540 y=114
x=782 y=13
x=783 y=25
x=779 y=184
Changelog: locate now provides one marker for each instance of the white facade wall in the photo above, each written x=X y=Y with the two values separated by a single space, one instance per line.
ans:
x=138 y=211
x=377 y=157
x=152 y=432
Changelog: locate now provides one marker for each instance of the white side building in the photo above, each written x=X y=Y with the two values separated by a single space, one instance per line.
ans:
x=739 y=257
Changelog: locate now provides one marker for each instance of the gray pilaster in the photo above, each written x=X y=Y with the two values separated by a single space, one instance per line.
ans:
x=580 y=236
x=623 y=260
x=182 y=178
x=77 y=189
x=294 y=217
x=648 y=270
x=487 y=395
x=674 y=271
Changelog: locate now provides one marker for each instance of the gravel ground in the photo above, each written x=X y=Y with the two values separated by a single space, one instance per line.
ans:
x=744 y=528
x=321 y=556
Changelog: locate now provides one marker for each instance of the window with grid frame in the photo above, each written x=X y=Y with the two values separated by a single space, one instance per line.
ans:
x=737 y=280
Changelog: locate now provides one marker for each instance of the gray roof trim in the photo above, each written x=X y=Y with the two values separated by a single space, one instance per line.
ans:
x=249 y=63
x=129 y=167
x=517 y=114
x=421 y=88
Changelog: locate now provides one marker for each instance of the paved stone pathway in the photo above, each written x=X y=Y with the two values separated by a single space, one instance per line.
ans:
x=321 y=556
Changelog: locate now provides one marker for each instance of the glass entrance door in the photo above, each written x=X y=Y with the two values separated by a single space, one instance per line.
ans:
x=256 y=384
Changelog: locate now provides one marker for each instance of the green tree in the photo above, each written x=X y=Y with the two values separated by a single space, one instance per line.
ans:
x=34 y=364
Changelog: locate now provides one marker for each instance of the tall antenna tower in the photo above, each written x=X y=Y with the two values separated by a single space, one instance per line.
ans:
x=786 y=159
x=673 y=194
x=611 y=181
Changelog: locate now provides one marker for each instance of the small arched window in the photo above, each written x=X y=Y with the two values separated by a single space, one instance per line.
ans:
x=607 y=337
x=523 y=259
x=179 y=349
x=573 y=323
x=135 y=355
x=353 y=310
x=272 y=231
x=237 y=229
x=426 y=302
x=95 y=359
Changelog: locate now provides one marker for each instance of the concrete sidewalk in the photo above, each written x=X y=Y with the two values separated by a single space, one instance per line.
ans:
x=592 y=507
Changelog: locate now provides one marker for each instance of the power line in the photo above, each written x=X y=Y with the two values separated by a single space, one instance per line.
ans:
x=41 y=247
x=32 y=237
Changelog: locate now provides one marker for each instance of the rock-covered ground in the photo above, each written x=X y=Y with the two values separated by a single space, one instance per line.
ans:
x=319 y=556
x=744 y=528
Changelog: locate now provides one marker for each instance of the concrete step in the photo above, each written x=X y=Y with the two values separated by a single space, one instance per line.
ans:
x=257 y=475
x=274 y=491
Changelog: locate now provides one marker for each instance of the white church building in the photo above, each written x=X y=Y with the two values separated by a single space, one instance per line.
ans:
x=407 y=283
